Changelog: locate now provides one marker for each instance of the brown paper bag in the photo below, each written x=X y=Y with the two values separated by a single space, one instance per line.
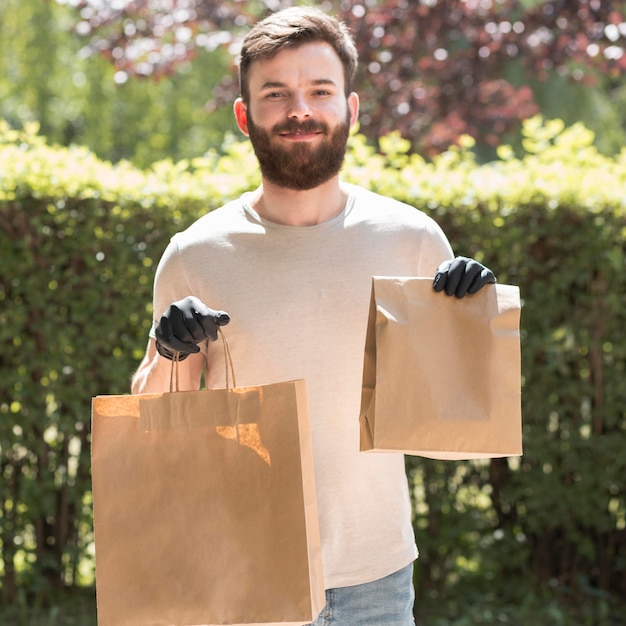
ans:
x=441 y=375
x=205 y=509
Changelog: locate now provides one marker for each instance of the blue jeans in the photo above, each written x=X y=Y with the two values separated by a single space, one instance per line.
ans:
x=384 y=602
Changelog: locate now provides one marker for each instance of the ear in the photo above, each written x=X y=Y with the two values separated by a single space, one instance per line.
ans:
x=241 y=115
x=353 y=107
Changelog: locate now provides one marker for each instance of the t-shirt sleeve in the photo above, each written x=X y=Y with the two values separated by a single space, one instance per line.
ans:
x=435 y=249
x=170 y=282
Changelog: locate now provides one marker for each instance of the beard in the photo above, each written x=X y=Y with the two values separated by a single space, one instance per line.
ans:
x=300 y=166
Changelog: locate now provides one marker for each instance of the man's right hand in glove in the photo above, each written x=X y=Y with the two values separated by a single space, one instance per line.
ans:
x=184 y=325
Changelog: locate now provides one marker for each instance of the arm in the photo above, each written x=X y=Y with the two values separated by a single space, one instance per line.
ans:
x=458 y=276
x=183 y=324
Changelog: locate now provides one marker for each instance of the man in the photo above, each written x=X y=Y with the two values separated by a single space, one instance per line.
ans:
x=292 y=263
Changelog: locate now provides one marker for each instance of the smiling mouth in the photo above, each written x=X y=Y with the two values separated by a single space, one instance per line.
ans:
x=300 y=135
x=305 y=130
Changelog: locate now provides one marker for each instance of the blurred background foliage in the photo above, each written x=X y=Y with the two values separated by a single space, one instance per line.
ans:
x=119 y=132
x=151 y=79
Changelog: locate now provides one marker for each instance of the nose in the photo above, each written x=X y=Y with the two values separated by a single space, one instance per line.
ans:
x=299 y=107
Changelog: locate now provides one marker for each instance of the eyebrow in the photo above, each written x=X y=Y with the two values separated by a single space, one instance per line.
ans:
x=278 y=85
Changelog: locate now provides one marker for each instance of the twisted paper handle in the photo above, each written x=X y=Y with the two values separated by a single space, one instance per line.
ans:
x=228 y=362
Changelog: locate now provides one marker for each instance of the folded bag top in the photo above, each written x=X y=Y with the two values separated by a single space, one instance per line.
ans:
x=442 y=375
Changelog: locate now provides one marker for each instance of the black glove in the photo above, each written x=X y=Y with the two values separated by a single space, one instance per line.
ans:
x=461 y=276
x=185 y=324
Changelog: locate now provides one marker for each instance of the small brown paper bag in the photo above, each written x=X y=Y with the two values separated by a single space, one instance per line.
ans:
x=204 y=508
x=442 y=375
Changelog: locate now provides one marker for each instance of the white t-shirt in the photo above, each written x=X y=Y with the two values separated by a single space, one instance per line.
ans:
x=299 y=298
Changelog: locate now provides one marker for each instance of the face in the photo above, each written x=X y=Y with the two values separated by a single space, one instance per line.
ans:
x=298 y=117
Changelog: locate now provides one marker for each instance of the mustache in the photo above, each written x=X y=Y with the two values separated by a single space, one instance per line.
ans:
x=293 y=127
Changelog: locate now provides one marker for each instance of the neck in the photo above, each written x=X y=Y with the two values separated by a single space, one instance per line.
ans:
x=300 y=208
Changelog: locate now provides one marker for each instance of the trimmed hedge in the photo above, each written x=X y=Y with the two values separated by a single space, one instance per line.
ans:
x=79 y=243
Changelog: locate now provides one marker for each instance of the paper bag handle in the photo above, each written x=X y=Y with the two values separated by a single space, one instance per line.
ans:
x=228 y=359
x=228 y=362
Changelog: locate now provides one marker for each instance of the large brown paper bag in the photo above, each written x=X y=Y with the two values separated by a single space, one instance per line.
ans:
x=442 y=375
x=205 y=509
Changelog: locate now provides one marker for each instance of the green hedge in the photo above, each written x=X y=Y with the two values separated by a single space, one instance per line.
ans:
x=79 y=243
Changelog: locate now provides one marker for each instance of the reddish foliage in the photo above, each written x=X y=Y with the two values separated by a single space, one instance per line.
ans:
x=431 y=69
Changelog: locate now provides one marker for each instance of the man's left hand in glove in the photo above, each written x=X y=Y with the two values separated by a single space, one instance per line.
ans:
x=462 y=276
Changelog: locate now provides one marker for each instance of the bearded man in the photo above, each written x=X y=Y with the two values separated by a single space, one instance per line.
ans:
x=292 y=263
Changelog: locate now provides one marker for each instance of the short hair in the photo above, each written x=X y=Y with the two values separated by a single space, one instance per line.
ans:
x=295 y=27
